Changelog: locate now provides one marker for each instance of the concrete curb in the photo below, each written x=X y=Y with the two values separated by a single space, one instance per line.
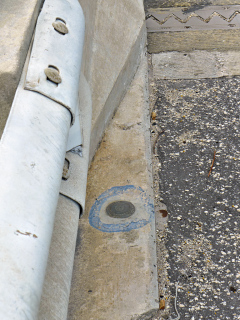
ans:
x=115 y=272
x=119 y=90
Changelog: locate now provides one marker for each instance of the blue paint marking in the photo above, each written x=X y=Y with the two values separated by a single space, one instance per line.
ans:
x=94 y=215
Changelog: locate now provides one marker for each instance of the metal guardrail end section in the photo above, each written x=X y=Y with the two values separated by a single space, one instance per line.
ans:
x=32 y=153
x=75 y=186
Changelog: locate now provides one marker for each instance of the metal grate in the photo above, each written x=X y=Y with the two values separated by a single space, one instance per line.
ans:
x=207 y=18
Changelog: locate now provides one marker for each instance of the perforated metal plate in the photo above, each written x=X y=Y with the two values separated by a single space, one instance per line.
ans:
x=207 y=18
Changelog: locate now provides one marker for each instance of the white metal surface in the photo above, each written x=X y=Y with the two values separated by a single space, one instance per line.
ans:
x=75 y=134
x=75 y=186
x=64 y=52
x=32 y=152
x=57 y=283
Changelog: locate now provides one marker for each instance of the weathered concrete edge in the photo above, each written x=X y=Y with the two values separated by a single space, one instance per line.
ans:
x=27 y=38
x=119 y=90
x=79 y=305
x=182 y=65
x=148 y=156
x=148 y=315
x=20 y=60
x=218 y=40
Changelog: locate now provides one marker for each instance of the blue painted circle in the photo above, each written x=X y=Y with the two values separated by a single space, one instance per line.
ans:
x=94 y=215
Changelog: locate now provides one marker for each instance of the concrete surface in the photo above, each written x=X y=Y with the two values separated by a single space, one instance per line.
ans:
x=218 y=40
x=17 y=22
x=90 y=10
x=118 y=90
x=189 y=65
x=189 y=40
x=185 y=3
x=114 y=39
x=115 y=36
x=115 y=264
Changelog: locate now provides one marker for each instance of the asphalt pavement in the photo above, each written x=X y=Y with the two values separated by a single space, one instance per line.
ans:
x=199 y=159
x=196 y=156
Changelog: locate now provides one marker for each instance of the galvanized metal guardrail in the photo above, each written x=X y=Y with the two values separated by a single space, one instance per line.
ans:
x=32 y=153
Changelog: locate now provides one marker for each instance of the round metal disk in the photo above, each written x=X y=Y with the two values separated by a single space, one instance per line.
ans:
x=120 y=209
x=60 y=27
x=53 y=75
